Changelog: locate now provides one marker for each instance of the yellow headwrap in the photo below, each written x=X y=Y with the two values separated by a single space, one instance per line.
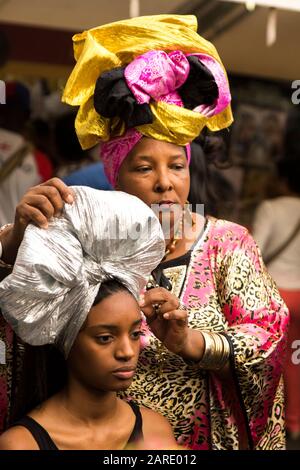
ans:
x=116 y=45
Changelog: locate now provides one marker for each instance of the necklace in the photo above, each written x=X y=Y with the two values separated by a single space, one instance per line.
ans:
x=161 y=352
x=170 y=248
x=178 y=236
x=186 y=216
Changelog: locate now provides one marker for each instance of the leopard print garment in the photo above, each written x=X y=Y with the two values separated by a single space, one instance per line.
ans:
x=10 y=368
x=226 y=289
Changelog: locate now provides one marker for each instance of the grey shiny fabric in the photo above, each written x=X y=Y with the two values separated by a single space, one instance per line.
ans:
x=58 y=271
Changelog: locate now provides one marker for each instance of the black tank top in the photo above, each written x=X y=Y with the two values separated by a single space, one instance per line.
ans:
x=45 y=442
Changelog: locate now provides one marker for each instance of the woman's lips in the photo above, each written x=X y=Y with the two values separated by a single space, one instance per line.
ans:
x=165 y=204
x=124 y=374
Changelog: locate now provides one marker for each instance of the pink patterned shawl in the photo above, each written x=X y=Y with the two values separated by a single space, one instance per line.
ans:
x=228 y=290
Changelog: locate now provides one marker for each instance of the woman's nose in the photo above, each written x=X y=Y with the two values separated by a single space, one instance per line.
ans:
x=125 y=350
x=163 y=182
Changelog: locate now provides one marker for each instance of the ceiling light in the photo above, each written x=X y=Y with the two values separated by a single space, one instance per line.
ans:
x=250 y=5
x=134 y=8
x=271 y=33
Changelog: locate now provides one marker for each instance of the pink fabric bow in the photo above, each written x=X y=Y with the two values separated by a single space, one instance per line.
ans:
x=157 y=75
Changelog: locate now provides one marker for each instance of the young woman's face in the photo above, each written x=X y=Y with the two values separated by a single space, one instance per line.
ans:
x=156 y=172
x=105 y=353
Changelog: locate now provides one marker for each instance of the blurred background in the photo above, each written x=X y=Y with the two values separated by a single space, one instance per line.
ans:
x=257 y=44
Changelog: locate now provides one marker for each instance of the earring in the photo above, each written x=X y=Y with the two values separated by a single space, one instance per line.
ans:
x=187 y=214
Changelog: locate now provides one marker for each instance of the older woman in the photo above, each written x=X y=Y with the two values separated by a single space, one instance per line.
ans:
x=146 y=87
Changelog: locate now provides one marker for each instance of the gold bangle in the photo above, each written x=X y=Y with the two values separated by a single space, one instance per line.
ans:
x=226 y=350
x=209 y=351
x=218 y=346
x=4 y=227
x=216 y=352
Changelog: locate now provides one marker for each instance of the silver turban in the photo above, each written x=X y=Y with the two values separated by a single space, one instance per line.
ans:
x=58 y=271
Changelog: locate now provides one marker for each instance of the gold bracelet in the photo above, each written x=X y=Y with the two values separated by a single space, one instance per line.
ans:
x=2 y=263
x=216 y=352
x=218 y=346
x=4 y=227
x=209 y=351
x=226 y=351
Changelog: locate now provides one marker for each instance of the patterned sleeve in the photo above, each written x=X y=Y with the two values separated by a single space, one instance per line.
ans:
x=11 y=366
x=257 y=328
x=5 y=344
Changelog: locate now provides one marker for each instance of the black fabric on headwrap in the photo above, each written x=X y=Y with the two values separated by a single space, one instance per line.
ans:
x=200 y=87
x=112 y=97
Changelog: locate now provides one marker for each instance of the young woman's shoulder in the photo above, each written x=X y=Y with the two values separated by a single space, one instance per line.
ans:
x=158 y=433
x=17 y=438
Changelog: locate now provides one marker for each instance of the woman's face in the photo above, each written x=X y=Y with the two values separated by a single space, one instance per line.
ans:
x=157 y=173
x=105 y=353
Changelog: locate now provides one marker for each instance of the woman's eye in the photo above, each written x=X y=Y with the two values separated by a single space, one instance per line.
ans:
x=178 y=167
x=137 y=334
x=143 y=169
x=104 y=339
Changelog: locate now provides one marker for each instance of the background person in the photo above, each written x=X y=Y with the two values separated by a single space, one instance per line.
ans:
x=276 y=228
x=21 y=164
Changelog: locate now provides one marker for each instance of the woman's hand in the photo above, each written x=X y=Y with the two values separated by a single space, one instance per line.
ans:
x=38 y=205
x=41 y=203
x=169 y=323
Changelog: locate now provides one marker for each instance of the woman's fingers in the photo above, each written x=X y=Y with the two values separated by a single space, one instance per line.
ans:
x=39 y=204
x=42 y=202
x=151 y=316
x=30 y=214
x=160 y=296
x=159 y=303
x=64 y=191
x=157 y=313
x=56 y=194
x=50 y=193
x=169 y=306
x=179 y=315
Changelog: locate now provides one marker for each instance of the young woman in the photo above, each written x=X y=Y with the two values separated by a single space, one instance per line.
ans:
x=76 y=286
x=85 y=412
